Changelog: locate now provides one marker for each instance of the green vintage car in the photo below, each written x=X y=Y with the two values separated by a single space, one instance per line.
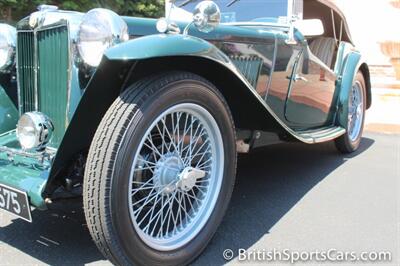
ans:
x=142 y=119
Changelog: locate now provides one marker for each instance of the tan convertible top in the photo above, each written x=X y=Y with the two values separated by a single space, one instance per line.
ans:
x=323 y=10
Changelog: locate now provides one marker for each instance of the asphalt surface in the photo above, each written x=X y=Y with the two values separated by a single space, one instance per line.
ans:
x=288 y=196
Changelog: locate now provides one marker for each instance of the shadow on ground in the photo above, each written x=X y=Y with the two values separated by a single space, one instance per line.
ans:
x=269 y=183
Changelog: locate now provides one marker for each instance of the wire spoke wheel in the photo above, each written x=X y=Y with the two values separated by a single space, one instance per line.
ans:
x=356 y=111
x=160 y=171
x=176 y=176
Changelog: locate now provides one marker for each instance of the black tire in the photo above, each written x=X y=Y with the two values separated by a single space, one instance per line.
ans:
x=110 y=158
x=344 y=144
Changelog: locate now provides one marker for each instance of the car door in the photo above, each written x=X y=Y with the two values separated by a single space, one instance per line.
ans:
x=311 y=91
x=286 y=58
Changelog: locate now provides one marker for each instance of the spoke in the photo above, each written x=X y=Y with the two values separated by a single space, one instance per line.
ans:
x=147 y=162
x=194 y=197
x=201 y=186
x=187 y=216
x=135 y=190
x=169 y=135
x=190 y=128
x=190 y=202
x=202 y=180
x=188 y=160
x=201 y=147
x=140 y=182
x=191 y=145
x=148 y=212
x=174 y=218
x=202 y=192
x=201 y=158
x=157 y=215
x=151 y=211
x=173 y=128
x=182 y=141
x=152 y=147
x=204 y=163
x=146 y=200
x=191 y=135
x=170 y=211
x=144 y=168
x=178 y=200
x=178 y=119
x=162 y=134
x=166 y=215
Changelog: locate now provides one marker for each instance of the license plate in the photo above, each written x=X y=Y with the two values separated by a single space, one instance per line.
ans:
x=15 y=202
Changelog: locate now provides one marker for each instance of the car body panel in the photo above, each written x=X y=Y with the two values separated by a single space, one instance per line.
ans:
x=8 y=112
x=23 y=173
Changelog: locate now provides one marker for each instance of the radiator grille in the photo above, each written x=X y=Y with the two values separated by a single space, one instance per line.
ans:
x=43 y=75
x=26 y=71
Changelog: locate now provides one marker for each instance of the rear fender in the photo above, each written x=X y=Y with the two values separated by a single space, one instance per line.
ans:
x=348 y=72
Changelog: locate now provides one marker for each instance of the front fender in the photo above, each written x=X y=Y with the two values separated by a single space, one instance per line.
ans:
x=162 y=45
x=8 y=112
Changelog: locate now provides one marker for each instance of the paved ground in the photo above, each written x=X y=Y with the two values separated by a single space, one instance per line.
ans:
x=296 y=197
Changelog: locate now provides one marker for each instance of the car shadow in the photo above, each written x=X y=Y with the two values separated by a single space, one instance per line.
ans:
x=270 y=181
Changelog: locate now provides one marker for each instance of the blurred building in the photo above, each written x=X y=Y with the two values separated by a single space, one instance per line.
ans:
x=372 y=24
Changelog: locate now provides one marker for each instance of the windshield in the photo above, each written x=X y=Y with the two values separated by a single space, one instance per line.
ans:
x=238 y=11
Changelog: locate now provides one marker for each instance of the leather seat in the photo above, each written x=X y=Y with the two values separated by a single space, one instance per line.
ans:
x=324 y=49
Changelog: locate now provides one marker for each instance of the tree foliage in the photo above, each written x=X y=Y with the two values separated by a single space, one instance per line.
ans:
x=14 y=10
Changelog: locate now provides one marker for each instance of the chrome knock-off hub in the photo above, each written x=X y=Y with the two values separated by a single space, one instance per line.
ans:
x=166 y=173
x=171 y=175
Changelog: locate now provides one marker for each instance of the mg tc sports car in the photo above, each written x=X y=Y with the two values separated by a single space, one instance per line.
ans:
x=142 y=119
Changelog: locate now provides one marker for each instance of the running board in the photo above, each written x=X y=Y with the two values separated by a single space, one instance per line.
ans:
x=321 y=135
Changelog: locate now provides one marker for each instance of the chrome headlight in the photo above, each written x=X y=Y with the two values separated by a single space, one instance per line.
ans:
x=34 y=130
x=8 y=36
x=99 y=30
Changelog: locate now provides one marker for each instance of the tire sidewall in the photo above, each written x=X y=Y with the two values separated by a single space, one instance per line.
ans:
x=186 y=91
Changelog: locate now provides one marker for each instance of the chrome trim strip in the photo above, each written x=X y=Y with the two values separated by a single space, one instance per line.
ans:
x=35 y=69
x=17 y=76
x=69 y=73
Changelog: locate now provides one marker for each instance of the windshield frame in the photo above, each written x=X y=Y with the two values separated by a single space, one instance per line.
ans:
x=284 y=23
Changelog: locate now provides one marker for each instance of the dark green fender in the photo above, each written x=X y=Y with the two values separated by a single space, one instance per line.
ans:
x=348 y=64
x=8 y=112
